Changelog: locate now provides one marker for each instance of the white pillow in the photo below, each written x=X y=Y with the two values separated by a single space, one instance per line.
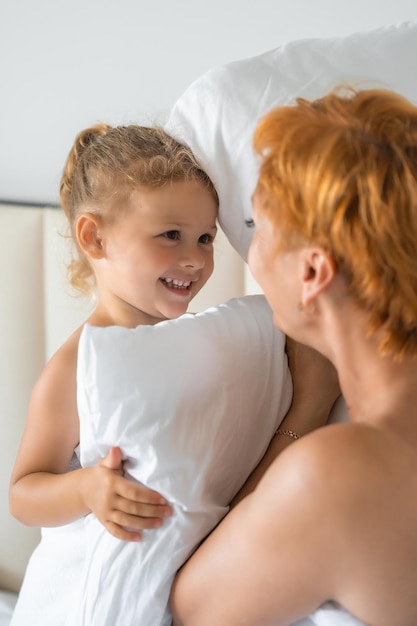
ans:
x=218 y=113
x=193 y=404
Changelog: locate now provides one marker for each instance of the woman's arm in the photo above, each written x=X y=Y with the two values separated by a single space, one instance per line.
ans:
x=315 y=390
x=259 y=566
x=270 y=560
x=44 y=493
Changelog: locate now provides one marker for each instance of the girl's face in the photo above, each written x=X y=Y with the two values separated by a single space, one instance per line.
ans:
x=277 y=272
x=159 y=255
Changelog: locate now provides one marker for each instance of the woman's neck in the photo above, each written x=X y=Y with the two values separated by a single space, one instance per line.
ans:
x=376 y=388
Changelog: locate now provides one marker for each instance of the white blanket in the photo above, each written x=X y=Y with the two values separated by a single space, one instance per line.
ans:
x=50 y=586
x=7 y=603
x=193 y=404
x=330 y=614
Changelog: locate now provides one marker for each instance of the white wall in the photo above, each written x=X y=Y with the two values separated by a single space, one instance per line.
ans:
x=67 y=64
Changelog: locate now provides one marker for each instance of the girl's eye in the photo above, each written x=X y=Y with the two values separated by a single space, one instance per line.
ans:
x=174 y=235
x=206 y=238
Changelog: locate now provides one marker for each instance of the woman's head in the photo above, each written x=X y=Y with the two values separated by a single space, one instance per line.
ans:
x=341 y=173
x=106 y=165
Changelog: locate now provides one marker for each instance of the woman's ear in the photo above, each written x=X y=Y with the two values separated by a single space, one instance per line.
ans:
x=88 y=235
x=319 y=270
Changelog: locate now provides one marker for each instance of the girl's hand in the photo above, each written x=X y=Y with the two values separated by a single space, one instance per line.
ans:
x=122 y=506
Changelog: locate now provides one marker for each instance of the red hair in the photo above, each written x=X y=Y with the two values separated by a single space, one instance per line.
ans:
x=341 y=172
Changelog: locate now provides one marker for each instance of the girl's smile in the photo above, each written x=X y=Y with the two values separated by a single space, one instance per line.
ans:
x=175 y=284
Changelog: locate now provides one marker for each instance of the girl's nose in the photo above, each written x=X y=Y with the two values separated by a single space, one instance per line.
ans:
x=192 y=256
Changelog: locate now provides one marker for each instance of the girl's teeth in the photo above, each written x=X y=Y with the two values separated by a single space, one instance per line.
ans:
x=177 y=283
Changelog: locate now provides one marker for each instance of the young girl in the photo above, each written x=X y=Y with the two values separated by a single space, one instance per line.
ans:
x=143 y=218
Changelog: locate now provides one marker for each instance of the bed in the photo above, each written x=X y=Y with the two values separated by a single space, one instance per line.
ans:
x=7 y=602
x=216 y=117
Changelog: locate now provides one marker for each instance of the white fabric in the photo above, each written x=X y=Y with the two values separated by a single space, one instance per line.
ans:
x=330 y=614
x=193 y=404
x=218 y=113
x=7 y=603
x=50 y=585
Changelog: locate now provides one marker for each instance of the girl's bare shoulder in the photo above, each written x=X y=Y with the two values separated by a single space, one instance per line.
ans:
x=59 y=374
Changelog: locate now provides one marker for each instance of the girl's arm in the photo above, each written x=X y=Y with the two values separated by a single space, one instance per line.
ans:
x=44 y=493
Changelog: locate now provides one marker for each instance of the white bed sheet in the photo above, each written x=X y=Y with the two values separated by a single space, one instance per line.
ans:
x=7 y=603
x=330 y=614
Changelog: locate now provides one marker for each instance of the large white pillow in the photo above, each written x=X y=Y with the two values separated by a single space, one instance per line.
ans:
x=193 y=404
x=217 y=115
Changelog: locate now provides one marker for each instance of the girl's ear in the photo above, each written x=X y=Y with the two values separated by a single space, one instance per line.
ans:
x=319 y=269
x=88 y=235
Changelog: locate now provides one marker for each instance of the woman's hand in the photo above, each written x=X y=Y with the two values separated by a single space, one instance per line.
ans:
x=122 y=506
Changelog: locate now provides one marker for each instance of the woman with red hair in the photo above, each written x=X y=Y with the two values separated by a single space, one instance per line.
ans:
x=334 y=517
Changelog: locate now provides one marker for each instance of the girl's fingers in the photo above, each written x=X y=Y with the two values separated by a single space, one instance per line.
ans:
x=113 y=460
x=139 y=494
x=122 y=533
x=135 y=523
x=141 y=510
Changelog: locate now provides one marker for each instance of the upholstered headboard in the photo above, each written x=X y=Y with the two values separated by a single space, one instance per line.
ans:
x=33 y=315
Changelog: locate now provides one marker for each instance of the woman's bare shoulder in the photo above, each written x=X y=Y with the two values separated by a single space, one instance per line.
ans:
x=338 y=490
x=334 y=456
x=332 y=474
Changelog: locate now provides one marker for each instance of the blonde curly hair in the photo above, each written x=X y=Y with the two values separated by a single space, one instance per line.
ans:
x=106 y=164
